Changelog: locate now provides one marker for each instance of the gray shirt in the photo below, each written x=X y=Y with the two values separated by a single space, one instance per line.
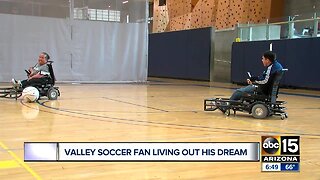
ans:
x=43 y=69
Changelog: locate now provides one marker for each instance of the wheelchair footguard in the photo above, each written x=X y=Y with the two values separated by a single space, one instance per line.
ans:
x=258 y=109
x=13 y=93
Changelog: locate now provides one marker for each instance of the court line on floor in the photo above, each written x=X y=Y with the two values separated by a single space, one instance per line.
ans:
x=135 y=104
x=9 y=164
x=238 y=120
x=232 y=88
x=23 y=164
x=166 y=125
x=124 y=102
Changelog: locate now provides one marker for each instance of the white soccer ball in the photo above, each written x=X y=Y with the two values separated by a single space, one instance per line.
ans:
x=30 y=94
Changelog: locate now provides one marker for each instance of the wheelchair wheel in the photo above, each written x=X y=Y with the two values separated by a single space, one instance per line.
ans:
x=259 y=111
x=52 y=94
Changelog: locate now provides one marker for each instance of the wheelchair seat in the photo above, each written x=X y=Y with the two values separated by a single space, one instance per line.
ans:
x=272 y=92
x=48 y=89
x=259 y=104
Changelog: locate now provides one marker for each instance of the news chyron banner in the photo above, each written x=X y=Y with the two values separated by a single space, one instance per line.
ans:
x=140 y=151
x=280 y=153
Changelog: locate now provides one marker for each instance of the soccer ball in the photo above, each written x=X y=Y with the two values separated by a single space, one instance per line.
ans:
x=30 y=94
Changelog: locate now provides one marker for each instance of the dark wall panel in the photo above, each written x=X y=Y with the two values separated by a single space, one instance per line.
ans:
x=180 y=54
x=303 y=61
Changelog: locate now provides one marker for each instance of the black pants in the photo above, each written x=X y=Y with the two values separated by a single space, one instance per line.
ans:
x=34 y=82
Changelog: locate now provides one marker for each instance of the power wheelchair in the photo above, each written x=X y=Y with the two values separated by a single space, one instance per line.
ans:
x=45 y=89
x=259 y=105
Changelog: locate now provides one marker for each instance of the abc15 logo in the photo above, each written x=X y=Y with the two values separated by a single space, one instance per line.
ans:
x=280 y=145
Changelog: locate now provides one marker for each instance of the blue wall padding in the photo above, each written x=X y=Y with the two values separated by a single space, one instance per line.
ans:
x=300 y=56
x=180 y=54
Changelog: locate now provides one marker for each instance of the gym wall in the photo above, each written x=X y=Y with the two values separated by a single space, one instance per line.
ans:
x=84 y=51
x=300 y=56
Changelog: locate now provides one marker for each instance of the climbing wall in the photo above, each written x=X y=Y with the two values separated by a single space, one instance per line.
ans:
x=203 y=14
x=160 y=17
x=179 y=13
x=221 y=14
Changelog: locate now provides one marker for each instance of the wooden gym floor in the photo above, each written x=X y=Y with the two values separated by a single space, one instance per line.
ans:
x=161 y=110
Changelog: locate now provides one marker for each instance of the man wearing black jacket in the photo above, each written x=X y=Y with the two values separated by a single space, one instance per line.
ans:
x=263 y=83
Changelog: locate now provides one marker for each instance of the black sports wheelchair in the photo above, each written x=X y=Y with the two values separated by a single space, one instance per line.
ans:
x=257 y=104
x=45 y=89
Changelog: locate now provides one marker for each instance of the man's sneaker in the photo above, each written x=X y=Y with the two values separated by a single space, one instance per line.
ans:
x=19 y=83
x=15 y=83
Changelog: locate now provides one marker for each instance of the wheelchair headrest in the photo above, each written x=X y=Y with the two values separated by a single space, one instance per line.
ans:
x=275 y=84
x=53 y=78
x=278 y=75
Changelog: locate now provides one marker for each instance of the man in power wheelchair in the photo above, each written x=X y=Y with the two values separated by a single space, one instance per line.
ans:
x=259 y=97
x=40 y=76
